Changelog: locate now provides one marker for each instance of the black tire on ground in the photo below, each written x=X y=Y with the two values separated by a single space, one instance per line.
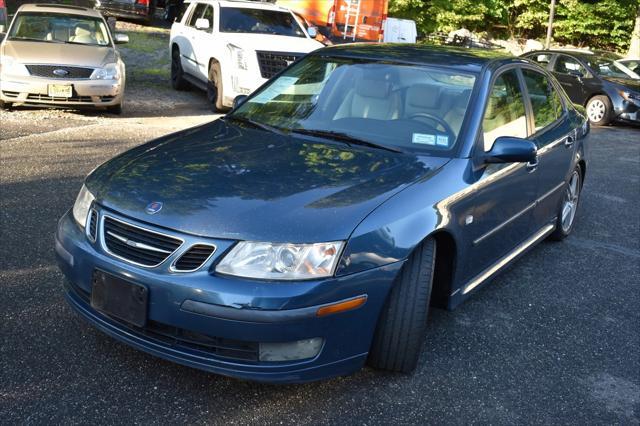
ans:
x=570 y=200
x=599 y=110
x=5 y=105
x=401 y=328
x=115 y=109
x=214 y=88
x=178 y=81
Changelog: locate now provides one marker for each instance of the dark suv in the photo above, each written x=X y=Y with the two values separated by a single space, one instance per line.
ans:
x=608 y=91
x=141 y=10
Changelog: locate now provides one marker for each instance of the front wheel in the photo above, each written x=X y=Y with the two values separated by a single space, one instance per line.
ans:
x=569 y=207
x=401 y=328
x=214 y=88
x=599 y=110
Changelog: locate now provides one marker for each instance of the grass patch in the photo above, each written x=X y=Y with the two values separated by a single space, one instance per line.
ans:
x=146 y=42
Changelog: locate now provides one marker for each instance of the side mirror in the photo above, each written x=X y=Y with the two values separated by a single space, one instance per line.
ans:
x=508 y=149
x=120 y=39
x=312 y=31
x=202 y=24
x=239 y=100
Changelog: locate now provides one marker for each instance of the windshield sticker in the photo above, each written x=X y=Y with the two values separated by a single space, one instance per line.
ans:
x=423 y=138
x=276 y=88
x=442 y=140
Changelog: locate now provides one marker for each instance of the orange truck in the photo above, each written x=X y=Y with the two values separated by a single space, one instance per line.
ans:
x=343 y=20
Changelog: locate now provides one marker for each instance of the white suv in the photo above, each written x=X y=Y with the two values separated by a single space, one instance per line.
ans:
x=229 y=48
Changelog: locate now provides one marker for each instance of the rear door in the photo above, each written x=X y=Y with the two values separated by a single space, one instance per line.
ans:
x=556 y=141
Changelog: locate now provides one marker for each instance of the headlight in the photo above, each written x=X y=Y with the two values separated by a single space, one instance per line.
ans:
x=81 y=207
x=270 y=261
x=238 y=56
x=629 y=95
x=9 y=66
x=109 y=72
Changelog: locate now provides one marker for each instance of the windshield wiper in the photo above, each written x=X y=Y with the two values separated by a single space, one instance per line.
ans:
x=250 y=122
x=343 y=137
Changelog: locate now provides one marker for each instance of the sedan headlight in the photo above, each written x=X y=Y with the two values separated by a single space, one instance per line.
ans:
x=238 y=57
x=9 y=66
x=627 y=96
x=271 y=261
x=82 y=205
x=109 y=72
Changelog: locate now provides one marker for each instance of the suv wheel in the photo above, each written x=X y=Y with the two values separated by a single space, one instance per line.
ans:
x=599 y=110
x=214 y=88
x=402 y=326
x=178 y=81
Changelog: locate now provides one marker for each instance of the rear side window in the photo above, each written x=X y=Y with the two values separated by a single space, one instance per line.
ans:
x=567 y=65
x=545 y=100
x=504 y=115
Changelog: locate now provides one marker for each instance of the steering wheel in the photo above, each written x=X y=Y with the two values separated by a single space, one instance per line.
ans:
x=438 y=120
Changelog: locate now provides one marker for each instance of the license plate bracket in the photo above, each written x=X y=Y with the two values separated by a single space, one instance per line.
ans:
x=119 y=298
x=60 y=90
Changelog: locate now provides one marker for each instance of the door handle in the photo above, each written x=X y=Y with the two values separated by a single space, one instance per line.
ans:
x=532 y=165
x=568 y=142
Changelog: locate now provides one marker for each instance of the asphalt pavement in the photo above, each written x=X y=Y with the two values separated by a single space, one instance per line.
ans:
x=554 y=340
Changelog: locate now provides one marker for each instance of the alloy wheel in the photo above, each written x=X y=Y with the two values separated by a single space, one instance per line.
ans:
x=570 y=203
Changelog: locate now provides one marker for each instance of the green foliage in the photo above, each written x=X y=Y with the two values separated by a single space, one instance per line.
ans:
x=601 y=24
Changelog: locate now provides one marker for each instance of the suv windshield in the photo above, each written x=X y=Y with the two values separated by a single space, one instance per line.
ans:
x=260 y=21
x=59 y=28
x=399 y=106
x=609 y=68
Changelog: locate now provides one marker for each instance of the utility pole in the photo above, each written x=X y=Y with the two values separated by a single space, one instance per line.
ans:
x=552 y=12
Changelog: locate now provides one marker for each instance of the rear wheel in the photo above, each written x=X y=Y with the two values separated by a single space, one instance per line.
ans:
x=214 y=88
x=599 y=110
x=178 y=81
x=401 y=329
x=569 y=206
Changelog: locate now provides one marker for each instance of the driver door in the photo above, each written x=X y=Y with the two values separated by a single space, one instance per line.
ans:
x=571 y=74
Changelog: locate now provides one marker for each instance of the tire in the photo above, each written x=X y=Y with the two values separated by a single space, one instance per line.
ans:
x=115 y=109
x=214 y=88
x=599 y=110
x=569 y=206
x=178 y=81
x=5 y=105
x=401 y=328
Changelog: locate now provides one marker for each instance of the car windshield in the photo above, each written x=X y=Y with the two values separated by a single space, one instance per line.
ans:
x=260 y=21
x=399 y=106
x=59 y=28
x=606 y=67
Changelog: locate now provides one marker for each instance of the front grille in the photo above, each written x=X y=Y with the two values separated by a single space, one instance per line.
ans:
x=39 y=98
x=92 y=227
x=272 y=63
x=137 y=245
x=48 y=71
x=11 y=94
x=193 y=258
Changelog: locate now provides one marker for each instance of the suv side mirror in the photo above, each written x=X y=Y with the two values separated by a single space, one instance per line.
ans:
x=312 y=31
x=508 y=149
x=239 y=100
x=120 y=39
x=202 y=24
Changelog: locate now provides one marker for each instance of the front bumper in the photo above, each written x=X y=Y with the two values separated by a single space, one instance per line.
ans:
x=628 y=111
x=233 y=309
x=34 y=90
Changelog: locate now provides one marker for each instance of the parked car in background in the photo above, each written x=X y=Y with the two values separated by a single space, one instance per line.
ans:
x=307 y=231
x=608 y=90
x=632 y=64
x=4 y=19
x=140 y=10
x=61 y=55
x=229 y=48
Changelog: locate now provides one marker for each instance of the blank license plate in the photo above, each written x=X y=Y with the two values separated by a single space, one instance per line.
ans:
x=119 y=298
x=60 y=90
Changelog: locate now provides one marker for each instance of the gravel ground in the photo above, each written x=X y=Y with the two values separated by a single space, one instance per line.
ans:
x=553 y=340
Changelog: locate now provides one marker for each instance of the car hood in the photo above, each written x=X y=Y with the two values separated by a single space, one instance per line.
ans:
x=32 y=52
x=273 y=43
x=628 y=83
x=226 y=181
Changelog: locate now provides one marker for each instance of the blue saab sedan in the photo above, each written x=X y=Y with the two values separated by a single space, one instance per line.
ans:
x=308 y=231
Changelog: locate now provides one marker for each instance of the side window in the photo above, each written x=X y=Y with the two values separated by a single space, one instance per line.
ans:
x=545 y=100
x=208 y=15
x=196 y=14
x=504 y=115
x=567 y=65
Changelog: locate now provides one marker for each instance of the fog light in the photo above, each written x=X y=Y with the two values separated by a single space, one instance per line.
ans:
x=291 y=351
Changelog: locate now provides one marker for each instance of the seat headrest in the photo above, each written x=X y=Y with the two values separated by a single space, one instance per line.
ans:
x=423 y=96
x=82 y=31
x=371 y=88
x=462 y=99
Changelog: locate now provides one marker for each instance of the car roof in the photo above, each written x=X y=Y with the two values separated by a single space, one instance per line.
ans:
x=59 y=8
x=470 y=60
x=247 y=4
x=578 y=53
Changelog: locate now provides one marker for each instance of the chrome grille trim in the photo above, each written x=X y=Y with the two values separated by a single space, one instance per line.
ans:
x=91 y=227
x=173 y=267
x=104 y=246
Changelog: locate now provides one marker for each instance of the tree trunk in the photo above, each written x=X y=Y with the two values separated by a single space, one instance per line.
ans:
x=634 y=47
